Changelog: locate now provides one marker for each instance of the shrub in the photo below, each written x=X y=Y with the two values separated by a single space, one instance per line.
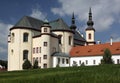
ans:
x=83 y=64
x=57 y=66
x=74 y=64
x=35 y=66
x=26 y=64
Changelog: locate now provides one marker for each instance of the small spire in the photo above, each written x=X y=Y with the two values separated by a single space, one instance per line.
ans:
x=90 y=14
x=90 y=10
x=90 y=22
x=73 y=19
x=73 y=26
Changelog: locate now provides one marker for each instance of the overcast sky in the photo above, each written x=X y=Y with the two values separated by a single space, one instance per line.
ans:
x=106 y=16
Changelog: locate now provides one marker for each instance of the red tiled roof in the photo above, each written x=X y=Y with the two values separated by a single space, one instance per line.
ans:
x=95 y=50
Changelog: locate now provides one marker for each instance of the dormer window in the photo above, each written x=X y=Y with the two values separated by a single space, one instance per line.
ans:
x=45 y=29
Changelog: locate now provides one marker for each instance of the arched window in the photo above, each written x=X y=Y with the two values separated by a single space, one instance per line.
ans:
x=25 y=37
x=12 y=37
x=89 y=36
x=25 y=54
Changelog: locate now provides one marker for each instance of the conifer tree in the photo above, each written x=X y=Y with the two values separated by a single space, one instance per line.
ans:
x=35 y=66
x=26 y=64
x=107 y=57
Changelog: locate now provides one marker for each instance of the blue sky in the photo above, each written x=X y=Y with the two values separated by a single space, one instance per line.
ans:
x=106 y=16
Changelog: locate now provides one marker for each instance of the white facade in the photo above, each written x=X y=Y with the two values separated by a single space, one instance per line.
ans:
x=16 y=47
x=39 y=45
x=91 y=60
x=65 y=45
x=50 y=47
x=61 y=61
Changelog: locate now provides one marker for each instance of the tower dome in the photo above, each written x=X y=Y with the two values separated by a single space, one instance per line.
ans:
x=90 y=23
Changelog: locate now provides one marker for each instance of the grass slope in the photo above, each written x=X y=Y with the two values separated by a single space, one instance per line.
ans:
x=92 y=74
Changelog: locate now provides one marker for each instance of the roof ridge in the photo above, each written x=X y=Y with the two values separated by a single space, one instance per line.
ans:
x=23 y=18
x=55 y=20
x=33 y=18
x=97 y=44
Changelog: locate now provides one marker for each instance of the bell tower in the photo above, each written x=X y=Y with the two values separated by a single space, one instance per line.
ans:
x=90 y=31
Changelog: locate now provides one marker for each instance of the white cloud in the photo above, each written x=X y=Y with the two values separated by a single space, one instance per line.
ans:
x=105 y=12
x=116 y=37
x=36 y=13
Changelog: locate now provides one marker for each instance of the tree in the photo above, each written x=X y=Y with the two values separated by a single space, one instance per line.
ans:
x=35 y=66
x=26 y=64
x=3 y=63
x=107 y=57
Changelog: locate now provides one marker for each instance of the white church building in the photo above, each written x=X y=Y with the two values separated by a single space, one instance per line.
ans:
x=55 y=43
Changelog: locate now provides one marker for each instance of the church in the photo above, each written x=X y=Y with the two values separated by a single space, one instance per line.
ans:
x=55 y=43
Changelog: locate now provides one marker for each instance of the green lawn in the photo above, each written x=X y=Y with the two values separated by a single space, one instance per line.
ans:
x=91 y=74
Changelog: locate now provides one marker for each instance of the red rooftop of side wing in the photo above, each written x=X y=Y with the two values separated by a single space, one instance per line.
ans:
x=95 y=50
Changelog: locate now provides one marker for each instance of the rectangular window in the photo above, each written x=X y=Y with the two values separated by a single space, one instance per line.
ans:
x=94 y=62
x=25 y=54
x=45 y=43
x=58 y=60
x=36 y=49
x=45 y=57
x=86 y=61
x=33 y=60
x=45 y=29
x=80 y=62
x=118 y=61
x=40 y=49
x=60 y=38
x=70 y=40
x=40 y=59
x=67 y=61
x=37 y=58
x=45 y=65
x=33 y=50
x=63 y=61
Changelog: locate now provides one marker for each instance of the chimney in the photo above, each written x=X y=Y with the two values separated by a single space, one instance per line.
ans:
x=98 y=42
x=111 y=40
x=85 y=44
